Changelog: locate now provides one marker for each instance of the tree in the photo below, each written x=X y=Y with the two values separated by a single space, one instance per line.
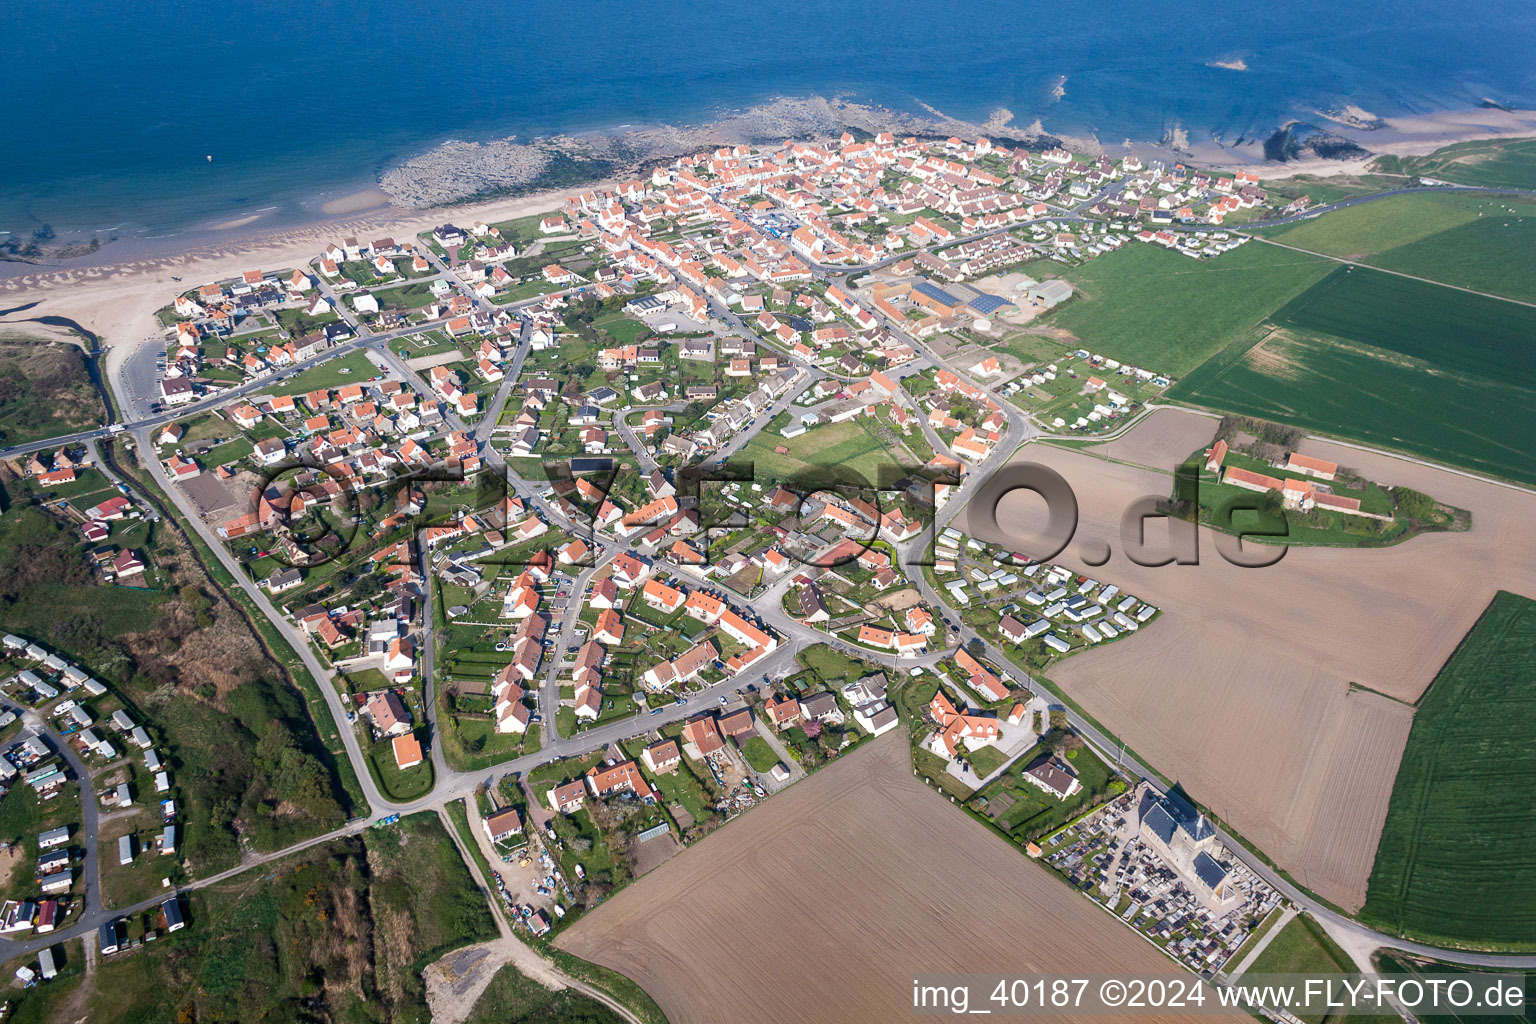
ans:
x=1274 y=504
x=1413 y=504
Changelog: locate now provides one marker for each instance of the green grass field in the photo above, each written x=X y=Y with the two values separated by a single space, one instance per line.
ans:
x=352 y=368
x=398 y=785
x=625 y=329
x=1169 y=313
x=1301 y=947
x=1402 y=364
x=1472 y=241
x=759 y=754
x=852 y=444
x=410 y=296
x=1375 y=227
x=1492 y=163
x=1454 y=331
x=1455 y=863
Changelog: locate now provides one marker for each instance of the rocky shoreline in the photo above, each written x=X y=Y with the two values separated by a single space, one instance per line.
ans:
x=455 y=172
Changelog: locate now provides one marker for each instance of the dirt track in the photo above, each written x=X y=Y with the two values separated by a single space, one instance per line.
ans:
x=821 y=904
x=1241 y=690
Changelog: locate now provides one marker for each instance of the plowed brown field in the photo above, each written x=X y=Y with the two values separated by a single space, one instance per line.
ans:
x=1240 y=690
x=822 y=904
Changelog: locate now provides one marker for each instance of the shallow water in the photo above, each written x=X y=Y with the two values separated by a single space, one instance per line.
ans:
x=113 y=110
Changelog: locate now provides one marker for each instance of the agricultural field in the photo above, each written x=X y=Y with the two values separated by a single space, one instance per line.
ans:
x=1491 y=163
x=1254 y=687
x=1357 y=232
x=1479 y=242
x=1153 y=308
x=1393 y=962
x=872 y=843
x=1406 y=365
x=45 y=389
x=1455 y=863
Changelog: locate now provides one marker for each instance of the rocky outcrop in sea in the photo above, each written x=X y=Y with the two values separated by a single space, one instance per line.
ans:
x=458 y=171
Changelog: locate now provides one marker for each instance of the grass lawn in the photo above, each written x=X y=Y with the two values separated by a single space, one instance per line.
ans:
x=399 y=786
x=458 y=813
x=411 y=296
x=125 y=884
x=1167 y=313
x=430 y=343
x=1302 y=948
x=1455 y=863
x=1031 y=348
x=853 y=446
x=986 y=760
x=833 y=666
x=526 y=290
x=1026 y=812
x=1370 y=228
x=1255 y=936
x=625 y=329
x=298 y=323
x=45 y=1003
x=471 y=743
x=1403 y=364
x=932 y=767
x=759 y=754
x=352 y=368
x=23 y=817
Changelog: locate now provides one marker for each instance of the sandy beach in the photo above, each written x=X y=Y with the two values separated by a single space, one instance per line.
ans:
x=117 y=302
x=1415 y=135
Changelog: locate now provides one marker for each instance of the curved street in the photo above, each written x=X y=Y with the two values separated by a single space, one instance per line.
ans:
x=453 y=784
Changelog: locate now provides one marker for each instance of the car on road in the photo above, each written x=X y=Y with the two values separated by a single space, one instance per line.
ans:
x=722 y=698
x=657 y=711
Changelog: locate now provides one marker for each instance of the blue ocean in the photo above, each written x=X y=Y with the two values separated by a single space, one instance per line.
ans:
x=111 y=109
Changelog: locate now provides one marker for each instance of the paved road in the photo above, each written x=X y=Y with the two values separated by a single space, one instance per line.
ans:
x=453 y=785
